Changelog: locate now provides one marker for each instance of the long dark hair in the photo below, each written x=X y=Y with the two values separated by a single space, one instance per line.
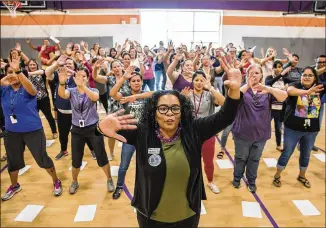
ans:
x=317 y=81
x=148 y=117
x=32 y=60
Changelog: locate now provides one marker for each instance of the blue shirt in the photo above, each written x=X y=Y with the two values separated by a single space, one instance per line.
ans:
x=24 y=107
x=60 y=103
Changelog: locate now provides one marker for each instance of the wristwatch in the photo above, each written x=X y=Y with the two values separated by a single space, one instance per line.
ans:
x=18 y=72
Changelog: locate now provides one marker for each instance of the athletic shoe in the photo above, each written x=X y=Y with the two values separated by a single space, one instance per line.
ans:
x=57 y=188
x=12 y=190
x=73 y=187
x=213 y=187
x=110 y=157
x=93 y=155
x=61 y=155
x=117 y=192
x=236 y=184
x=314 y=148
x=252 y=188
x=110 y=185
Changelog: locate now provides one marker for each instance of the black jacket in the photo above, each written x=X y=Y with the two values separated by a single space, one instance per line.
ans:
x=149 y=180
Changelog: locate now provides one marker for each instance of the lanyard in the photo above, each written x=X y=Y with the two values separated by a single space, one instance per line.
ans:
x=196 y=111
x=81 y=107
x=12 y=100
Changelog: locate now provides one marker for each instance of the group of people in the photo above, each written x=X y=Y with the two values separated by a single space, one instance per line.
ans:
x=166 y=104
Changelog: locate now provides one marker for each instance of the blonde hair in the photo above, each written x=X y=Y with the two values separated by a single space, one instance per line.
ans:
x=254 y=66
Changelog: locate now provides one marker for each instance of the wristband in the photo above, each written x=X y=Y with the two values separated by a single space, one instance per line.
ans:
x=18 y=72
x=64 y=84
x=98 y=129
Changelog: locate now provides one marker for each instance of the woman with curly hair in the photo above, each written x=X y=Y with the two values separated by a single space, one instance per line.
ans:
x=168 y=140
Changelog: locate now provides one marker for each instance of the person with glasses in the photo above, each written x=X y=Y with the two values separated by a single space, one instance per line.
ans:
x=168 y=140
x=301 y=122
x=251 y=128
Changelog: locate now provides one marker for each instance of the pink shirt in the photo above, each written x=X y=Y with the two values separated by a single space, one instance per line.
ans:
x=148 y=66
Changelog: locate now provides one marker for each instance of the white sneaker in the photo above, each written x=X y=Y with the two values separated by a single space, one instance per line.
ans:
x=213 y=187
x=110 y=157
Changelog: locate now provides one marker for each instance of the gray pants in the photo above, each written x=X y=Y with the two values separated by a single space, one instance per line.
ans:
x=247 y=155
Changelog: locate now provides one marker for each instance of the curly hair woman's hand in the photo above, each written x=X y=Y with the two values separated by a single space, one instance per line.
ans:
x=115 y=122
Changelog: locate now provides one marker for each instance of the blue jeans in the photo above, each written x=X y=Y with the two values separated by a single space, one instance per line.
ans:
x=126 y=154
x=150 y=83
x=247 y=156
x=225 y=134
x=276 y=115
x=291 y=138
x=218 y=84
x=321 y=114
x=158 y=79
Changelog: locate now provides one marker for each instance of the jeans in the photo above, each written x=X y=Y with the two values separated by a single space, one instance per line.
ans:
x=225 y=135
x=291 y=138
x=218 y=84
x=150 y=83
x=321 y=114
x=158 y=78
x=247 y=155
x=126 y=154
x=276 y=115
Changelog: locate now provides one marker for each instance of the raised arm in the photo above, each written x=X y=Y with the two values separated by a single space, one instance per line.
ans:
x=94 y=96
x=99 y=78
x=218 y=97
x=50 y=70
x=279 y=94
x=173 y=76
x=63 y=93
x=292 y=91
x=30 y=44
x=28 y=86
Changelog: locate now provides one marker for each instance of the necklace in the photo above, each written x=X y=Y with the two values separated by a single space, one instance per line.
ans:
x=170 y=140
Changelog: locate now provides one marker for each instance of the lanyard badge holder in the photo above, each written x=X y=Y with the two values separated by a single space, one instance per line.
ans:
x=81 y=122
x=13 y=117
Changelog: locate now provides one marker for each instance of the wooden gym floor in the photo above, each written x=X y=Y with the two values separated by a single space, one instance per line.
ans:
x=223 y=210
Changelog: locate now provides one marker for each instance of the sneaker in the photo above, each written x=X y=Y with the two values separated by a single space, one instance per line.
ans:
x=12 y=190
x=93 y=155
x=57 y=188
x=252 y=188
x=314 y=148
x=73 y=187
x=236 y=184
x=213 y=187
x=110 y=157
x=110 y=185
x=117 y=192
x=61 y=155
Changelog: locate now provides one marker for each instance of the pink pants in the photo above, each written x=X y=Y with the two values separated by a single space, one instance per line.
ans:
x=207 y=151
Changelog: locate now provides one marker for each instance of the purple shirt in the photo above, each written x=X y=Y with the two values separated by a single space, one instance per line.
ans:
x=253 y=120
x=83 y=108
x=182 y=83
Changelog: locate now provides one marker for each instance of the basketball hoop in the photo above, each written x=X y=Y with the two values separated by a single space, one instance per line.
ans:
x=12 y=6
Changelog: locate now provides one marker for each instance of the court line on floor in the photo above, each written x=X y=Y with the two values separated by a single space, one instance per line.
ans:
x=269 y=216
x=320 y=149
x=3 y=168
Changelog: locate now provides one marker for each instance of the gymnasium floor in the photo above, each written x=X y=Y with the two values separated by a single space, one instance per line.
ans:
x=223 y=210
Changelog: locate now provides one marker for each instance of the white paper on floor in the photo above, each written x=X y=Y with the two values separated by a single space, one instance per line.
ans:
x=23 y=170
x=203 y=209
x=306 y=207
x=114 y=171
x=270 y=162
x=251 y=209
x=85 y=213
x=49 y=142
x=321 y=157
x=29 y=213
x=224 y=164
x=119 y=144
x=84 y=163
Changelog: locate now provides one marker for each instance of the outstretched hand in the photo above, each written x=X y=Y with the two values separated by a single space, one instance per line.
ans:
x=234 y=77
x=115 y=122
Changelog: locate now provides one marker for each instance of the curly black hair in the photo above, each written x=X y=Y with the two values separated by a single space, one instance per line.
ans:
x=149 y=111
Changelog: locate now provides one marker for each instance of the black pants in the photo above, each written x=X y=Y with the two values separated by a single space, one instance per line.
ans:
x=64 y=126
x=191 y=222
x=45 y=106
x=164 y=79
x=104 y=101
x=15 y=146
x=277 y=115
x=2 y=118
x=79 y=136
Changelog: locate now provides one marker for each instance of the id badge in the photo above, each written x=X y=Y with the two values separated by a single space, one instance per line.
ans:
x=81 y=123
x=13 y=119
x=307 y=122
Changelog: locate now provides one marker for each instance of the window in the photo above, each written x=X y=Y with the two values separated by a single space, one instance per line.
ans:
x=186 y=27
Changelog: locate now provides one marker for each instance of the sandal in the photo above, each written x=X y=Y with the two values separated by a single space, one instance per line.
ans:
x=220 y=154
x=277 y=181
x=304 y=181
x=4 y=158
x=55 y=135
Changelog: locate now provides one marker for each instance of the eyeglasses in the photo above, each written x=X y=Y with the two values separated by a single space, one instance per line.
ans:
x=308 y=76
x=164 y=109
x=321 y=62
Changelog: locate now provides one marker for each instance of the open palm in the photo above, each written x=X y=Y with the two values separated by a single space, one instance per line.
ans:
x=234 y=76
x=115 y=122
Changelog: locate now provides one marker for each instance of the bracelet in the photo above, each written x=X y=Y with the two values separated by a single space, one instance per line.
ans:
x=63 y=84
x=98 y=128
x=18 y=72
